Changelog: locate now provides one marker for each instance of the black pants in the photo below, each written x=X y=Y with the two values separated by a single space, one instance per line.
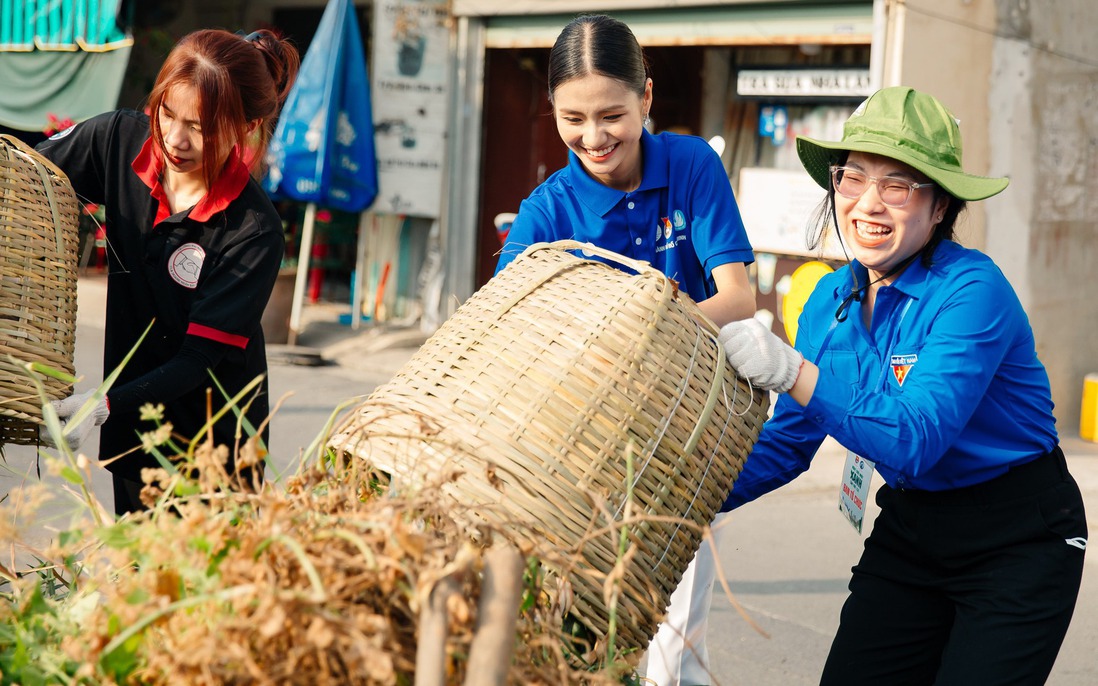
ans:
x=127 y=494
x=970 y=586
x=127 y=491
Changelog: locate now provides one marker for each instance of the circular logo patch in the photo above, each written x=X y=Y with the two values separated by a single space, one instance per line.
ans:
x=62 y=133
x=186 y=263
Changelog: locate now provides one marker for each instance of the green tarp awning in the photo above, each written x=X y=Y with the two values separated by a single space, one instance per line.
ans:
x=60 y=57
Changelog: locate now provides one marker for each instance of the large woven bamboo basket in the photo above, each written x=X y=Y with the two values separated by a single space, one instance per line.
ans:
x=547 y=389
x=39 y=232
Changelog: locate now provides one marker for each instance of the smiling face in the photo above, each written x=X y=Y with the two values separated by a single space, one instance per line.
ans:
x=600 y=119
x=880 y=236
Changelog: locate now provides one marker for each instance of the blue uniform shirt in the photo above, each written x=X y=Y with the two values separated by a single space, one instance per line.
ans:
x=683 y=219
x=944 y=391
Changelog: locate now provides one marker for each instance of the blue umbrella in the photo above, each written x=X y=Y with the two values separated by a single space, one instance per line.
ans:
x=323 y=148
x=322 y=151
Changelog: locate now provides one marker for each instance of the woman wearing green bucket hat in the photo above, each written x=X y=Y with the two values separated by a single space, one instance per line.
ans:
x=919 y=359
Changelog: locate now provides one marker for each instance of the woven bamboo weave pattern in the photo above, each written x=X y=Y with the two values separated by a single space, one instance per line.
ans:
x=543 y=389
x=39 y=218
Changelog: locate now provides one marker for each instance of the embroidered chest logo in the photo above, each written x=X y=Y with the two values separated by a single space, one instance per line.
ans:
x=185 y=264
x=678 y=220
x=901 y=365
x=674 y=223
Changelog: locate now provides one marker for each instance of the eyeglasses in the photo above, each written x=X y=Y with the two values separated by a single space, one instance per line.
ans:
x=894 y=192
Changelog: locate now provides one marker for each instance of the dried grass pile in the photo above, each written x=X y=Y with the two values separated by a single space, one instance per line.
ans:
x=322 y=581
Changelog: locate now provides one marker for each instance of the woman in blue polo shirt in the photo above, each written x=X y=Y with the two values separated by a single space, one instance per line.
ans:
x=194 y=244
x=919 y=357
x=664 y=199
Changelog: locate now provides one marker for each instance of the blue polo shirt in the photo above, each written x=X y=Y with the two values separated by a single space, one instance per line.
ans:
x=683 y=219
x=944 y=391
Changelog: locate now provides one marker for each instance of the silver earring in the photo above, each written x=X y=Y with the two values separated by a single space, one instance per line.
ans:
x=647 y=120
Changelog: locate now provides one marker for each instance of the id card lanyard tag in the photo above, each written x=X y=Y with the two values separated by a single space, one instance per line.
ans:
x=858 y=471
x=857 y=474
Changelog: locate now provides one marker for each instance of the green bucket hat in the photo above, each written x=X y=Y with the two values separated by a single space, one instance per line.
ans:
x=905 y=125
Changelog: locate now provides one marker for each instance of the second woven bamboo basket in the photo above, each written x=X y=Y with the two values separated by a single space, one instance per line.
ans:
x=547 y=389
x=39 y=232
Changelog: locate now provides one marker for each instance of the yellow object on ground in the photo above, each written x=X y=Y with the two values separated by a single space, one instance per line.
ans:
x=1088 y=418
x=802 y=282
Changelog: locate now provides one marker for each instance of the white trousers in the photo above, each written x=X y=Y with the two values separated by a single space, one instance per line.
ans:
x=677 y=655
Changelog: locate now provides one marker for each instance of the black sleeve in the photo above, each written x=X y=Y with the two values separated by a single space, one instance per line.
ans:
x=171 y=380
x=81 y=152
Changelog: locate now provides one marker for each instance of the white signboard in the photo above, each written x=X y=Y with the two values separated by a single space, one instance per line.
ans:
x=410 y=84
x=777 y=206
x=804 y=82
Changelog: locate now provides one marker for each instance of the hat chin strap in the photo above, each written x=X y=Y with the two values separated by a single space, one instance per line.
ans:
x=858 y=292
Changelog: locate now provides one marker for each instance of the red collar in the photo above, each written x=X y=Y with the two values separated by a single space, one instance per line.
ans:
x=148 y=166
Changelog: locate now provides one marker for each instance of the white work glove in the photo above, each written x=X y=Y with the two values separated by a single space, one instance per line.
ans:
x=66 y=408
x=759 y=356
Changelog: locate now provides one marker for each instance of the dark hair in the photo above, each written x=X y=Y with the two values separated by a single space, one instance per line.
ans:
x=597 y=44
x=825 y=217
x=219 y=65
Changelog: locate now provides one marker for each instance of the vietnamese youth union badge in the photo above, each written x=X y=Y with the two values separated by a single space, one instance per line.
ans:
x=664 y=227
x=185 y=264
x=901 y=365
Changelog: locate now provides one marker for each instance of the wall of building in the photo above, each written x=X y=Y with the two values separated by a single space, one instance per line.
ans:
x=946 y=50
x=1022 y=80
x=1044 y=125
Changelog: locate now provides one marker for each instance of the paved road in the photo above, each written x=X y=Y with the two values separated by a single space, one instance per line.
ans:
x=787 y=556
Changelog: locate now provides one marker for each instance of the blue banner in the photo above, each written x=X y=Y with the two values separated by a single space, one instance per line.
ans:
x=323 y=149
